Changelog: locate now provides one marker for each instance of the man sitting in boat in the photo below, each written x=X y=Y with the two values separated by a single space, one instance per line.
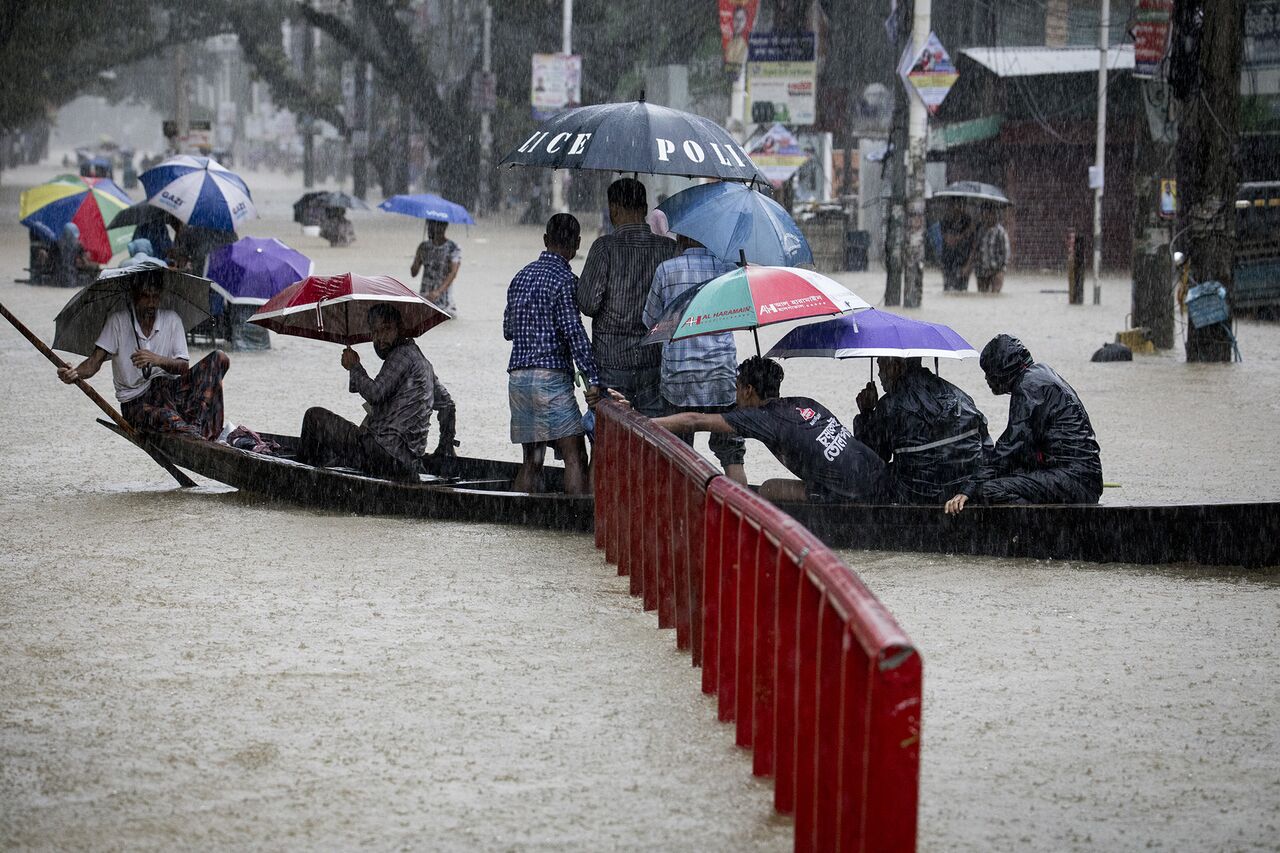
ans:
x=157 y=388
x=394 y=435
x=928 y=430
x=1048 y=454
x=832 y=465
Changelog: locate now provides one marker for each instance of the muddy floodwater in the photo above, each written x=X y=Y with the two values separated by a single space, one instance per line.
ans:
x=186 y=669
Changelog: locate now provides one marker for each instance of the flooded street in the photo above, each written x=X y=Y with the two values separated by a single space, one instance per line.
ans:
x=184 y=669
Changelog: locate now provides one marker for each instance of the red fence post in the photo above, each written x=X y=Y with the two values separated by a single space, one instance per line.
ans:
x=730 y=577
x=664 y=542
x=707 y=644
x=744 y=687
x=786 y=676
x=763 y=693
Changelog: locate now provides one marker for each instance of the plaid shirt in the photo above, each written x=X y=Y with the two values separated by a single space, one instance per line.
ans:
x=542 y=321
x=702 y=370
x=615 y=282
x=993 y=250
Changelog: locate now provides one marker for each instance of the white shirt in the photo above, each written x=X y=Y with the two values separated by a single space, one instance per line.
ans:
x=167 y=339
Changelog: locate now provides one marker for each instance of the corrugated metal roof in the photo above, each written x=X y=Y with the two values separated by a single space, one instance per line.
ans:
x=1038 y=61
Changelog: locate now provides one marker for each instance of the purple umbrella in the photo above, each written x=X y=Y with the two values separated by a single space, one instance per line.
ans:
x=251 y=270
x=870 y=334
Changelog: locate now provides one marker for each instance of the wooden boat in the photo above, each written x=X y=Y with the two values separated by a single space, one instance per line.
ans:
x=469 y=489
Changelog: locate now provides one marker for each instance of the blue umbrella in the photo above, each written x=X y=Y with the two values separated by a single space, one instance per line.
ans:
x=731 y=219
x=427 y=206
x=871 y=334
x=199 y=191
x=251 y=270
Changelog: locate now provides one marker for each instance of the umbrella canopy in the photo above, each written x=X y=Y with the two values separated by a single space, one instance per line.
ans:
x=321 y=200
x=750 y=297
x=89 y=203
x=335 y=308
x=733 y=219
x=140 y=214
x=871 y=334
x=427 y=206
x=80 y=322
x=975 y=190
x=636 y=137
x=199 y=191
x=251 y=270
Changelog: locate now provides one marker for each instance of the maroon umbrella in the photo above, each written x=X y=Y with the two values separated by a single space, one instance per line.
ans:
x=336 y=308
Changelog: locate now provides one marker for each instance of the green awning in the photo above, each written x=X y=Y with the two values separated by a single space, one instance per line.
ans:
x=955 y=134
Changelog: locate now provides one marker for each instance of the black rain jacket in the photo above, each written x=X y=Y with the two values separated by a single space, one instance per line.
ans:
x=932 y=431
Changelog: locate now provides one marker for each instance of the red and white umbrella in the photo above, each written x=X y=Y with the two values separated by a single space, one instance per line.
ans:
x=336 y=308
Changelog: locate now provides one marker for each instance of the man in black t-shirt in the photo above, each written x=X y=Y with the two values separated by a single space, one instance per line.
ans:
x=804 y=436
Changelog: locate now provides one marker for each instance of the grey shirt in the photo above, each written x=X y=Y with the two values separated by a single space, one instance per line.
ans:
x=612 y=290
x=400 y=400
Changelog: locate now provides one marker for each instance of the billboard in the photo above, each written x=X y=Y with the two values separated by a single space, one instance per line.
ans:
x=737 y=17
x=556 y=83
x=931 y=74
x=782 y=72
x=778 y=154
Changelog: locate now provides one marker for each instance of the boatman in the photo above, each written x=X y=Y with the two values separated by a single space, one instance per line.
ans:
x=1048 y=454
x=394 y=436
x=928 y=430
x=157 y=388
x=833 y=466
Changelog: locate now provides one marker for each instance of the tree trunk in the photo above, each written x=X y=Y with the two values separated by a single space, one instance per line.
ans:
x=895 y=224
x=1208 y=174
x=1152 y=306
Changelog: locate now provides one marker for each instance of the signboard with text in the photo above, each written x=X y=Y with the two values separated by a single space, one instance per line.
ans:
x=556 y=84
x=782 y=72
x=1150 y=36
x=931 y=74
x=737 y=17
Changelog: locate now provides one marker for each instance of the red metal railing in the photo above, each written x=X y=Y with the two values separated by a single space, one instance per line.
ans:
x=817 y=678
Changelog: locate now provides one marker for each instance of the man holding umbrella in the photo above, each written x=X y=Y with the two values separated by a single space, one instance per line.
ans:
x=613 y=288
x=157 y=388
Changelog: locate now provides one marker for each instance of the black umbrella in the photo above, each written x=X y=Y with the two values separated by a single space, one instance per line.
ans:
x=303 y=208
x=139 y=213
x=636 y=137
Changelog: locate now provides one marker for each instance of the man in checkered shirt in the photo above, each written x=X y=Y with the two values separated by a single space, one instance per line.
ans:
x=699 y=374
x=547 y=337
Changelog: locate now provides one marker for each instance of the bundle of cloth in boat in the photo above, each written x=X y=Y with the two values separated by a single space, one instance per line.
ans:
x=1048 y=454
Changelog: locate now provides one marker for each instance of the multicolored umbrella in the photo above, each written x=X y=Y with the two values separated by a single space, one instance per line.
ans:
x=89 y=203
x=733 y=220
x=336 y=308
x=252 y=270
x=429 y=207
x=871 y=334
x=199 y=191
x=754 y=296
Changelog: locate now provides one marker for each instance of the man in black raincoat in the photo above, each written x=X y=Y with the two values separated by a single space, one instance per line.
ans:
x=1048 y=453
x=928 y=430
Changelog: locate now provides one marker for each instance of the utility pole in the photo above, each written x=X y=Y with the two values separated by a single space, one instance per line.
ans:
x=308 y=123
x=486 y=133
x=566 y=47
x=917 y=140
x=181 y=98
x=360 y=121
x=1209 y=41
x=1152 y=302
x=896 y=214
x=1100 y=147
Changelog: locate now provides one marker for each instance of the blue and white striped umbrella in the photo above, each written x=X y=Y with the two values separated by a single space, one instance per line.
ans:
x=199 y=191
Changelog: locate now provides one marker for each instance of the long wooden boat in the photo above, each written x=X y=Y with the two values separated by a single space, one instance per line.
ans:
x=469 y=489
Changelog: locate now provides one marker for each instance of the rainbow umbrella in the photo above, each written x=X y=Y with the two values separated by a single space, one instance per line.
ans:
x=753 y=296
x=90 y=203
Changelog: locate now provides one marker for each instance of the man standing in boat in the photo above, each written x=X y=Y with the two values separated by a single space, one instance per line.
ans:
x=394 y=436
x=157 y=388
x=804 y=435
x=929 y=431
x=1048 y=454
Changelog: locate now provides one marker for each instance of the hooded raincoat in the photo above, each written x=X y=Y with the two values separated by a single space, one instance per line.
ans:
x=930 y=432
x=1048 y=453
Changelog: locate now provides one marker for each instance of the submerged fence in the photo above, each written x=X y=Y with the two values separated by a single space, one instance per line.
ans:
x=817 y=678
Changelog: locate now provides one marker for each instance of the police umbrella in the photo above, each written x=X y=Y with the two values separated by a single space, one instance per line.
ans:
x=636 y=137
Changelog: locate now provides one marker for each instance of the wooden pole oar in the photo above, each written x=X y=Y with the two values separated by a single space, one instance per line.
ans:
x=125 y=426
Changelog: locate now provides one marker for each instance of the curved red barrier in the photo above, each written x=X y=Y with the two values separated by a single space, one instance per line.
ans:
x=814 y=673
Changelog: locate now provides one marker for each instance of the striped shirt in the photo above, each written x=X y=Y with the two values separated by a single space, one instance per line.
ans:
x=702 y=370
x=542 y=322
x=612 y=290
